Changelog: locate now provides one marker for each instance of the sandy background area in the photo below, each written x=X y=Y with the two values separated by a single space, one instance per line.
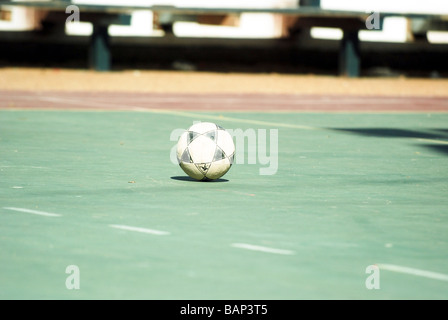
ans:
x=205 y=82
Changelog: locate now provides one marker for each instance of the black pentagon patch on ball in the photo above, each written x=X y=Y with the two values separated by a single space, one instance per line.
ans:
x=211 y=135
x=186 y=157
x=191 y=136
x=219 y=154
x=203 y=167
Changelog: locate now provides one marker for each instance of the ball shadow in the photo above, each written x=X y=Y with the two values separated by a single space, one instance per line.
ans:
x=186 y=178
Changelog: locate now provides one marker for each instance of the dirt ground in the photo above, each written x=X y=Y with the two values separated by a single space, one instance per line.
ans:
x=206 y=82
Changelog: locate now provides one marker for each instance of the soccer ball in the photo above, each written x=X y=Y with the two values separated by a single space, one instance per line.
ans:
x=205 y=151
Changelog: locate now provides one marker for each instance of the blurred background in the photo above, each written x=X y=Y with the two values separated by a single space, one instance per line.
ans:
x=283 y=36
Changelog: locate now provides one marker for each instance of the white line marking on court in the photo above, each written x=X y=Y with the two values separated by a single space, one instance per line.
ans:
x=181 y=113
x=258 y=122
x=262 y=249
x=138 y=229
x=178 y=113
x=414 y=272
x=40 y=213
x=433 y=141
x=33 y=167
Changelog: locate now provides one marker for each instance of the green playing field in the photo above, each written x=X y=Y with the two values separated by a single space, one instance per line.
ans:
x=98 y=191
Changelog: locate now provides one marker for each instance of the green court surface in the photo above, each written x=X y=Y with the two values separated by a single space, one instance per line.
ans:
x=351 y=191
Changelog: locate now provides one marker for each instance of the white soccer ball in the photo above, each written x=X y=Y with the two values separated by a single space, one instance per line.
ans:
x=205 y=151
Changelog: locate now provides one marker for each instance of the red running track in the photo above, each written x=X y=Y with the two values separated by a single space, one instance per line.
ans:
x=218 y=102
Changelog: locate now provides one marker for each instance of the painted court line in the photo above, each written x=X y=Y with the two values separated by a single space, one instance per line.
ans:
x=262 y=249
x=138 y=229
x=414 y=272
x=32 y=167
x=178 y=113
x=432 y=141
x=108 y=105
x=40 y=213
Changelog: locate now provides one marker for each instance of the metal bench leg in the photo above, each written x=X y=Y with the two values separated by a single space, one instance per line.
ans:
x=349 y=57
x=311 y=3
x=99 y=55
